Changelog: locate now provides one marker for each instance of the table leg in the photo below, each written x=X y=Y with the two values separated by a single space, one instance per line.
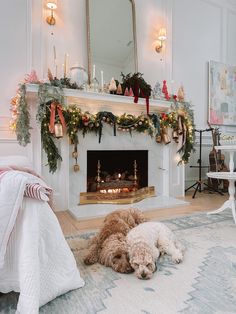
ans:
x=226 y=205
x=230 y=203
x=231 y=161
x=233 y=211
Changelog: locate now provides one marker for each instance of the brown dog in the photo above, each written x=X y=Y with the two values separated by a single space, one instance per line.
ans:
x=109 y=246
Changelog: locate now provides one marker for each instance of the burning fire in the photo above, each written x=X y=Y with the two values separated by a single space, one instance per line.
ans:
x=126 y=190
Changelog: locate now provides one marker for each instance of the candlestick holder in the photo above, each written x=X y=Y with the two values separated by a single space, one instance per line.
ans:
x=135 y=173
x=94 y=87
x=98 y=173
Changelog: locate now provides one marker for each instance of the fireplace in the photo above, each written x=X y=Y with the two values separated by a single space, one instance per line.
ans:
x=162 y=173
x=116 y=171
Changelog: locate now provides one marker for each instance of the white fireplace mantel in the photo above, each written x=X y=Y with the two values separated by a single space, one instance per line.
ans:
x=95 y=102
x=164 y=174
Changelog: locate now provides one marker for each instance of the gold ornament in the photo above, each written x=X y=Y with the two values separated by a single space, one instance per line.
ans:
x=76 y=167
x=75 y=154
x=165 y=136
x=158 y=138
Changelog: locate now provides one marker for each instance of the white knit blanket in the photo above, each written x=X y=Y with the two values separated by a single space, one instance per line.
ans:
x=35 y=258
x=12 y=187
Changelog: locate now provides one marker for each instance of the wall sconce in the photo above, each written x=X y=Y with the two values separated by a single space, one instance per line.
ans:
x=161 y=38
x=52 y=5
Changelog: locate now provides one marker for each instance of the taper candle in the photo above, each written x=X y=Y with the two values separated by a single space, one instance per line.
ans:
x=102 y=80
x=94 y=69
x=66 y=64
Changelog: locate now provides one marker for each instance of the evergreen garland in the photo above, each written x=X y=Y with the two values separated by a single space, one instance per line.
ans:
x=85 y=122
x=188 y=147
x=23 y=119
x=63 y=83
x=48 y=144
x=47 y=94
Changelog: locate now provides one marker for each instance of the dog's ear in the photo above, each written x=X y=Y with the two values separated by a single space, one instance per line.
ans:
x=117 y=256
x=138 y=216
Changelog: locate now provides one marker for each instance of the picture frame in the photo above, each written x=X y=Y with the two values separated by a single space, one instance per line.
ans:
x=222 y=94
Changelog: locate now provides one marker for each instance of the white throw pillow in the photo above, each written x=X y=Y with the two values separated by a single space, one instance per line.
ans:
x=37 y=191
x=15 y=160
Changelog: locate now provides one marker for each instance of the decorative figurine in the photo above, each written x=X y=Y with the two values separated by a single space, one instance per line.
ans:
x=119 y=90
x=112 y=86
x=165 y=90
x=126 y=92
x=181 y=94
x=157 y=94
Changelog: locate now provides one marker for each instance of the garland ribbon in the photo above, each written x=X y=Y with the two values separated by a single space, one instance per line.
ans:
x=136 y=93
x=182 y=133
x=56 y=107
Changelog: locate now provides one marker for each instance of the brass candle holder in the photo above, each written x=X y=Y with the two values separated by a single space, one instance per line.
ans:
x=98 y=173
x=135 y=173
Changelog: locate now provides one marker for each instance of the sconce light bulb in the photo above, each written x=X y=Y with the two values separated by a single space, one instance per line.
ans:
x=52 y=4
x=161 y=37
x=162 y=34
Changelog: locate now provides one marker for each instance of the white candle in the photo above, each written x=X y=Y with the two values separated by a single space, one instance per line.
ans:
x=55 y=61
x=63 y=69
x=56 y=68
x=66 y=64
x=94 y=71
x=102 y=80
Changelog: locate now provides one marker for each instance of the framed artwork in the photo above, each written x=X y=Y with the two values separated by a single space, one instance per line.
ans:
x=222 y=94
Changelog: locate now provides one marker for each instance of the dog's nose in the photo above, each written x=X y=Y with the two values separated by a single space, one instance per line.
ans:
x=143 y=275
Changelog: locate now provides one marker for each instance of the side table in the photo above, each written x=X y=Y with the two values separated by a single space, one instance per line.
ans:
x=230 y=203
x=230 y=176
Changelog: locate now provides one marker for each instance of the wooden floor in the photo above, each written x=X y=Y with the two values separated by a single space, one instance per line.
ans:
x=204 y=201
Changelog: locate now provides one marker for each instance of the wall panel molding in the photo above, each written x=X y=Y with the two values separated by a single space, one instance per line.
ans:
x=228 y=29
x=29 y=47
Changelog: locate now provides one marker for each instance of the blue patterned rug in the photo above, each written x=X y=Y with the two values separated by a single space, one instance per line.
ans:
x=204 y=283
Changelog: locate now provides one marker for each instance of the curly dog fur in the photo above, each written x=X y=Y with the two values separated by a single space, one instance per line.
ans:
x=146 y=242
x=109 y=246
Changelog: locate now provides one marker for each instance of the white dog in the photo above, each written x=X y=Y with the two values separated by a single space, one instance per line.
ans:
x=146 y=242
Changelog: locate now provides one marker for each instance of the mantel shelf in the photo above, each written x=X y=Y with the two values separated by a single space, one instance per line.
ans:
x=101 y=101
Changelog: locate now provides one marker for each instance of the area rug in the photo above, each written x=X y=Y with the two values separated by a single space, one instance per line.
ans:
x=204 y=283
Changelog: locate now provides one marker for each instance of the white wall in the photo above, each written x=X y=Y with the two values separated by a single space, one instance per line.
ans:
x=203 y=30
x=15 y=59
x=70 y=36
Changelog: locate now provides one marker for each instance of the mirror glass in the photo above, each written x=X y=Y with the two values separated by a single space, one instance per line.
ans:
x=112 y=46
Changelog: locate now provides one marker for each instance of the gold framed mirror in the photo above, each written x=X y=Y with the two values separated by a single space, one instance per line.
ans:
x=111 y=39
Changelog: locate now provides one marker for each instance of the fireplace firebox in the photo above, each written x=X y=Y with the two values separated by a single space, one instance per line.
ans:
x=116 y=171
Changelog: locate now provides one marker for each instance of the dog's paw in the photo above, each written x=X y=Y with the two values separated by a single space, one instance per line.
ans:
x=90 y=260
x=177 y=258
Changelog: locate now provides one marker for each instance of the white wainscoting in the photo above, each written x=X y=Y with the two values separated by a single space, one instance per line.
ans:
x=8 y=141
